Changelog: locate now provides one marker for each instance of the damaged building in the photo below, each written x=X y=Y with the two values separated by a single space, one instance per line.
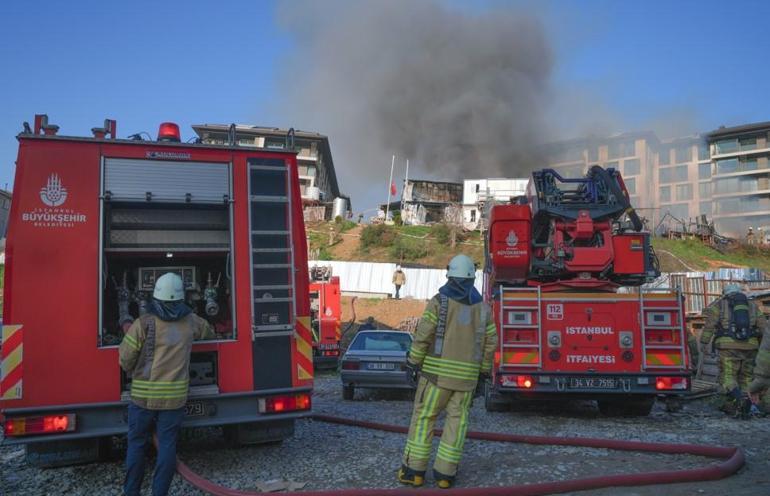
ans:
x=426 y=202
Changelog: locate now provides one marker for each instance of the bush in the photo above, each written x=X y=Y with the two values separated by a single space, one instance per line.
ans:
x=409 y=249
x=441 y=232
x=338 y=220
x=397 y=220
x=377 y=235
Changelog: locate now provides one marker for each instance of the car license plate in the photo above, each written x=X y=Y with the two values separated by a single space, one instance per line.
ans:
x=593 y=383
x=194 y=409
x=381 y=366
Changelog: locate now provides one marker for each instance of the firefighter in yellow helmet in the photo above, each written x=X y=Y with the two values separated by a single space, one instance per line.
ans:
x=453 y=348
x=735 y=324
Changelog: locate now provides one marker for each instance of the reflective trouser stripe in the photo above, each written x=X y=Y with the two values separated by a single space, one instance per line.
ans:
x=450 y=447
x=428 y=403
x=736 y=369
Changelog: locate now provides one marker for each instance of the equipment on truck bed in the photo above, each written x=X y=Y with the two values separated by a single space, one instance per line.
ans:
x=96 y=220
x=554 y=263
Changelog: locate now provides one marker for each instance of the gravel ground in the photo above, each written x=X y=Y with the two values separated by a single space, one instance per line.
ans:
x=327 y=456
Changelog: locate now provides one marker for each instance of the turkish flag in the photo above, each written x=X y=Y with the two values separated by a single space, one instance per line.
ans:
x=393 y=188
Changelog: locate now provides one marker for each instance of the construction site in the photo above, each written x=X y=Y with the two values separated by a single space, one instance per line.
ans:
x=411 y=248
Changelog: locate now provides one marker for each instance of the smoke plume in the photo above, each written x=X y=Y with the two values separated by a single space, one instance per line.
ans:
x=461 y=94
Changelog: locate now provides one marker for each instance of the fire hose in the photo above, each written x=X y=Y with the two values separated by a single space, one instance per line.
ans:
x=732 y=458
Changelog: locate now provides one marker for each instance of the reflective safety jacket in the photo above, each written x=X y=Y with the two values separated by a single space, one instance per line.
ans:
x=466 y=348
x=718 y=317
x=156 y=355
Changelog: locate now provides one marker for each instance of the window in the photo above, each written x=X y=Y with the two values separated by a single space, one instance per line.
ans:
x=746 y=144
x=665 y=193
x=275 y=143
x=741 y=205
x=673 y=174
x=619 y=149
x=612 y=165
x=630 y=185
x=738 y=185
x=6 y=204
x=307 y=170
x=704 y=171
x=473 y=214
x=679 y=210
x=726 y=146
x=730 y=165
x=683 y=192
x=381 y=341
x=704 y=208
x=704 y=190
x=593 y=154
x=477 y=187
x=703 y=152
x=631 y=167
x=683 y=153
x=665 y=156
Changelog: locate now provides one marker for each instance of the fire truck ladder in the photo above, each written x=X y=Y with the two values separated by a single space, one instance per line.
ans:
x=517 y=321
x=272 y=254
x=662 y=353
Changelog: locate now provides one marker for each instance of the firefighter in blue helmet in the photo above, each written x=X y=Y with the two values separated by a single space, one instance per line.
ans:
x=453 y=349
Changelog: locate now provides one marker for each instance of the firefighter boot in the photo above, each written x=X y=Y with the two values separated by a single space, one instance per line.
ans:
x=443 y=481
x=411 y=477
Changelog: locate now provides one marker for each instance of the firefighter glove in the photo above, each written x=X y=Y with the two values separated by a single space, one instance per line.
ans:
x=412 y=373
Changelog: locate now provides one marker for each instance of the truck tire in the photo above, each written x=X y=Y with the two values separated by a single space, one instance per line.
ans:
x=626 y=407
x=251 y=433
x=65 y=453
x=348 y=392
x=495 y=402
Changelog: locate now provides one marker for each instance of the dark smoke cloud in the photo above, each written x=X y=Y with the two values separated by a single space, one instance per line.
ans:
x=460 y=94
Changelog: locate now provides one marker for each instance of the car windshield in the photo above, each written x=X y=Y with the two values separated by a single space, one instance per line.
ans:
x=381 y=341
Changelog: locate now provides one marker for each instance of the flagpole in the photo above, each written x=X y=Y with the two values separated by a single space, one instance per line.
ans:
x=406 y=181
x=390 y=182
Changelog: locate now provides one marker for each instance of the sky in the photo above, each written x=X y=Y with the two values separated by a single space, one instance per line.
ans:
x=672 y=66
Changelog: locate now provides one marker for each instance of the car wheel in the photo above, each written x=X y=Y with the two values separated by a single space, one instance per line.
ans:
x=348 y=391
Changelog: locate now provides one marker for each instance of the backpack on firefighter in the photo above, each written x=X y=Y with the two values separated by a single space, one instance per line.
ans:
x=737 y=318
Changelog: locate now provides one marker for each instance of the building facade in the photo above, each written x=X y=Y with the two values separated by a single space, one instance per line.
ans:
x=318 y=180
x=740 y=178
x=5 y=207
x=426 y=202
x=480 y=193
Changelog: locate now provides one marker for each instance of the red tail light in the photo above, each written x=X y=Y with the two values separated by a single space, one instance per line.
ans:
x=48 y=424
x=289 y=403
x=331 y=353
x=520 y=381
x=169 y=131
x=662 y=383
x=351 y=365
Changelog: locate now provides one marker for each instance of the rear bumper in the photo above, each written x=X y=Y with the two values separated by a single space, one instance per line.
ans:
x=109 y=419
x=375 y=379
x=548 y=385
x=325 y=362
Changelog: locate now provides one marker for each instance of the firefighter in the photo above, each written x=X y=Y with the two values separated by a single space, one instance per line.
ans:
x=735 y=324
x=155 y=353
x=452 y=351
x=399 y=279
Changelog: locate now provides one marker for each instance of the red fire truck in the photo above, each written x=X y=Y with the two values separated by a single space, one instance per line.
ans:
x=94 y=221
x=556 y=262
x=325 y=315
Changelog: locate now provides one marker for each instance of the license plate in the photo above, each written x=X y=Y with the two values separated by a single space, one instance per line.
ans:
x=328 y=346
x=593 y=383
x=194 y=409
x=381 y=366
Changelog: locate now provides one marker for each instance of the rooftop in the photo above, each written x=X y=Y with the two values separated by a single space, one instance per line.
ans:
x=729 y=132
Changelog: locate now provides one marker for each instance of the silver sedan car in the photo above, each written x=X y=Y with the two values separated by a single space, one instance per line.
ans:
x=375 y=359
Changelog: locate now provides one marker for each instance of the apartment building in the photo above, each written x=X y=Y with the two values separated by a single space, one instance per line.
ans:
x=318 y=180
x=740 y=178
